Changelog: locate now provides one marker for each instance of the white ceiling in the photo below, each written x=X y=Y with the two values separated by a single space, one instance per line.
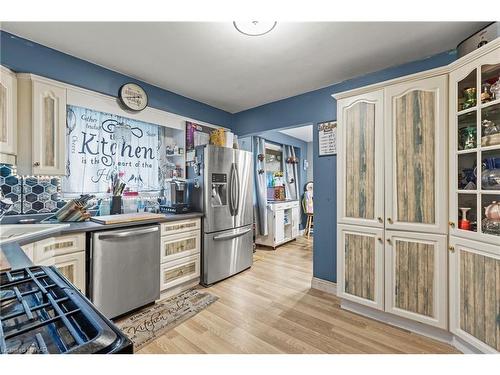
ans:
x=304 y=133
x=213 y=63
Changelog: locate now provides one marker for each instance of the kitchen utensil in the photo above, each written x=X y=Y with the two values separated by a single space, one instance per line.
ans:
x=492 y=211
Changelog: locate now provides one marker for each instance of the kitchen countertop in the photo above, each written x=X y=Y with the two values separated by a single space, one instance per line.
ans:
x=18 y=259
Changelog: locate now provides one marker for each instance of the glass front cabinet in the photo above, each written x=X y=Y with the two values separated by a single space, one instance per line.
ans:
x=475 y=149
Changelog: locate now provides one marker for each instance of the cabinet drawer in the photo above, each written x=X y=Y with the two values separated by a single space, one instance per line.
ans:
x=53 y=246
x=29 y=250
x=71 y=266
x=179 y=246
x=180 y=226
x=179 y=271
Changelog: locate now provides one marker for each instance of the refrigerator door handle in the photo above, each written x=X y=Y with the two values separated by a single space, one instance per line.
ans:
x=237 y=190
x=232 y=235
x=231 y=189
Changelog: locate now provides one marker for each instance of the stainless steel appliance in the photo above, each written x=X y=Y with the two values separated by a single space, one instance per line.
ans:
x=43 y=313
x=174 y=198
x=125 y=269
x=220 y=185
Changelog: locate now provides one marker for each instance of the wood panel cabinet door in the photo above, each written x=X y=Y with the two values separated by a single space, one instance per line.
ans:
x=49 y=129
x=8 y=112
x=475 y=293
x=416 y=195
x=72 y=266
x=361 y=160
x=360 y=273
x=415 y=277
x=179 y=245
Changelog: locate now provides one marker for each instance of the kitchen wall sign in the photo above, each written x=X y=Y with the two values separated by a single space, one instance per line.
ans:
x=93 y=152
x=327 y=138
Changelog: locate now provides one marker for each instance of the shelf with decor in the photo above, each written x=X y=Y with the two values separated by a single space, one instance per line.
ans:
x=475 y=146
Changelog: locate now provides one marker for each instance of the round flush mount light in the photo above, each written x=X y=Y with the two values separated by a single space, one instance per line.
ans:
x=254 y=28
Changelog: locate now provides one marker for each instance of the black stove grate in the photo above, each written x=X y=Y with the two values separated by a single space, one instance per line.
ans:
x=41 y=313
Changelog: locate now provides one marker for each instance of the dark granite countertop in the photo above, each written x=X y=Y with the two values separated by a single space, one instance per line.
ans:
x=18 y=259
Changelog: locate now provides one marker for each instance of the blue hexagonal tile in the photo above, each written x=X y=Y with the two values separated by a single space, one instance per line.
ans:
x=51 y=189
x=6 y=189
x=37 y=205
x=30 y=198
x=26 y=189
x=50 y=205
x=37 y=189
x=11 y=180
x=30 y=181
x=17 y=189
x=26 y=206
x=5 y=171
x=44 y=197
x=12 y=197
x=55 y=197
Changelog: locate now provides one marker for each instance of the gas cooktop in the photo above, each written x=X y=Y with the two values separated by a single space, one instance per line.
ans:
x=41 y=312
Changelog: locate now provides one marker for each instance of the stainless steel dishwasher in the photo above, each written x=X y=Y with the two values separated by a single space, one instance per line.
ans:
x=125 y=269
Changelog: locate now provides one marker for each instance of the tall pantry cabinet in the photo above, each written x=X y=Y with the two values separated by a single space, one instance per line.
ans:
x=392 y=198
x=416 y=156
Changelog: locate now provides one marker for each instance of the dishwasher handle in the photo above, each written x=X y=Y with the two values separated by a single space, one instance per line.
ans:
x=127 y=233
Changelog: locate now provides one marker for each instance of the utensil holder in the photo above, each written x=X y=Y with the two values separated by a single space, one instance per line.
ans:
x=116 y=205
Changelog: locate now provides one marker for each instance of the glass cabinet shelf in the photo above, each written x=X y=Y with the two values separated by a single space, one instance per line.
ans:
x=477 y=153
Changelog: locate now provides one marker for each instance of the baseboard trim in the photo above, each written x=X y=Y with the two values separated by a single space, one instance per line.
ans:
x=324 y=285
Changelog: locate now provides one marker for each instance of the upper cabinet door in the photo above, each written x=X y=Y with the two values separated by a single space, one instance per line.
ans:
x=361 y=160
x=8 y=112
x=49 y=129
x=416 y=154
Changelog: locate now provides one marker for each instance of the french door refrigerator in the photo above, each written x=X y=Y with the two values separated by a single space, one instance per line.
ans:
x=220 y=181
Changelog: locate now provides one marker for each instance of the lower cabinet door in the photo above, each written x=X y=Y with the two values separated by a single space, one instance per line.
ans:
x=416 y=282
x=179 y=271
x=361 y=265
x=475 y=293
x=72 y=266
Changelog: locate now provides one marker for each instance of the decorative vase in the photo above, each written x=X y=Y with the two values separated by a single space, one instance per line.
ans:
x=464 y=223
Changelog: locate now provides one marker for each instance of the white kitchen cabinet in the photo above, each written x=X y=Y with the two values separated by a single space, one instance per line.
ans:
x=66 y=253
x=360 y=265
x=42 y=123
x=180 y=247
x=471 y=145
x=8 y=116
x=72 y=266
x=283 y=221
x=474 y=273
x=416 y=195
x=415 y=277
x=360 y=157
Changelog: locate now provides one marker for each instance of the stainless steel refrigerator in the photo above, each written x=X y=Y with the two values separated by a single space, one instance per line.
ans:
x=220 y=185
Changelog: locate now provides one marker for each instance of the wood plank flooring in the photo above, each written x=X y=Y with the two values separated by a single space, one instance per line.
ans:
x=271 y=309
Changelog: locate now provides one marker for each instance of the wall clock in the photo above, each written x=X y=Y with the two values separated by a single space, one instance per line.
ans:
x=133 y=97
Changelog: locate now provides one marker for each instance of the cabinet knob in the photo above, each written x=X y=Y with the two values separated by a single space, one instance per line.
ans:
x=36 y=164
x=389 y=220
x=389 y=241
x=380 y=240
x=380 y=220
x=451 y=248
x=452 y=224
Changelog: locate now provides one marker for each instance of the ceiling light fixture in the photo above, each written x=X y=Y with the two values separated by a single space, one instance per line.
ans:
x=254 y=28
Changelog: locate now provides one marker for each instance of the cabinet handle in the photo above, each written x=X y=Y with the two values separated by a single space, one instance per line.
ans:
x=380 y=220
x=389 y=220
x=452 y=224
x=389 y=241
x=451 y=248
x=36 y=164
x=380 y=240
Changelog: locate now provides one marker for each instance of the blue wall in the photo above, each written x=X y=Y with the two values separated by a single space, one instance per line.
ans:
x=314 y=107
x=21 y=55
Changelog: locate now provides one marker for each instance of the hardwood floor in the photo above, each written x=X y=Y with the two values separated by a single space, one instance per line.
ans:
x=271 y=309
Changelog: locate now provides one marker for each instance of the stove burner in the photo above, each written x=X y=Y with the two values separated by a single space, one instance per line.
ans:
x=40 y=312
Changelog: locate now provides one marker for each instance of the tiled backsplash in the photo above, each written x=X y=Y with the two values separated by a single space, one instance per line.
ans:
x=30 y=195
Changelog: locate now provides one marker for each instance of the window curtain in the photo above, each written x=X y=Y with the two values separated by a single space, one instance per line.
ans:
x=260 y=184
x=291 y=173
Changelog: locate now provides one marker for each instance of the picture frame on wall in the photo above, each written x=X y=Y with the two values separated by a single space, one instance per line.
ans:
x=327 y=138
